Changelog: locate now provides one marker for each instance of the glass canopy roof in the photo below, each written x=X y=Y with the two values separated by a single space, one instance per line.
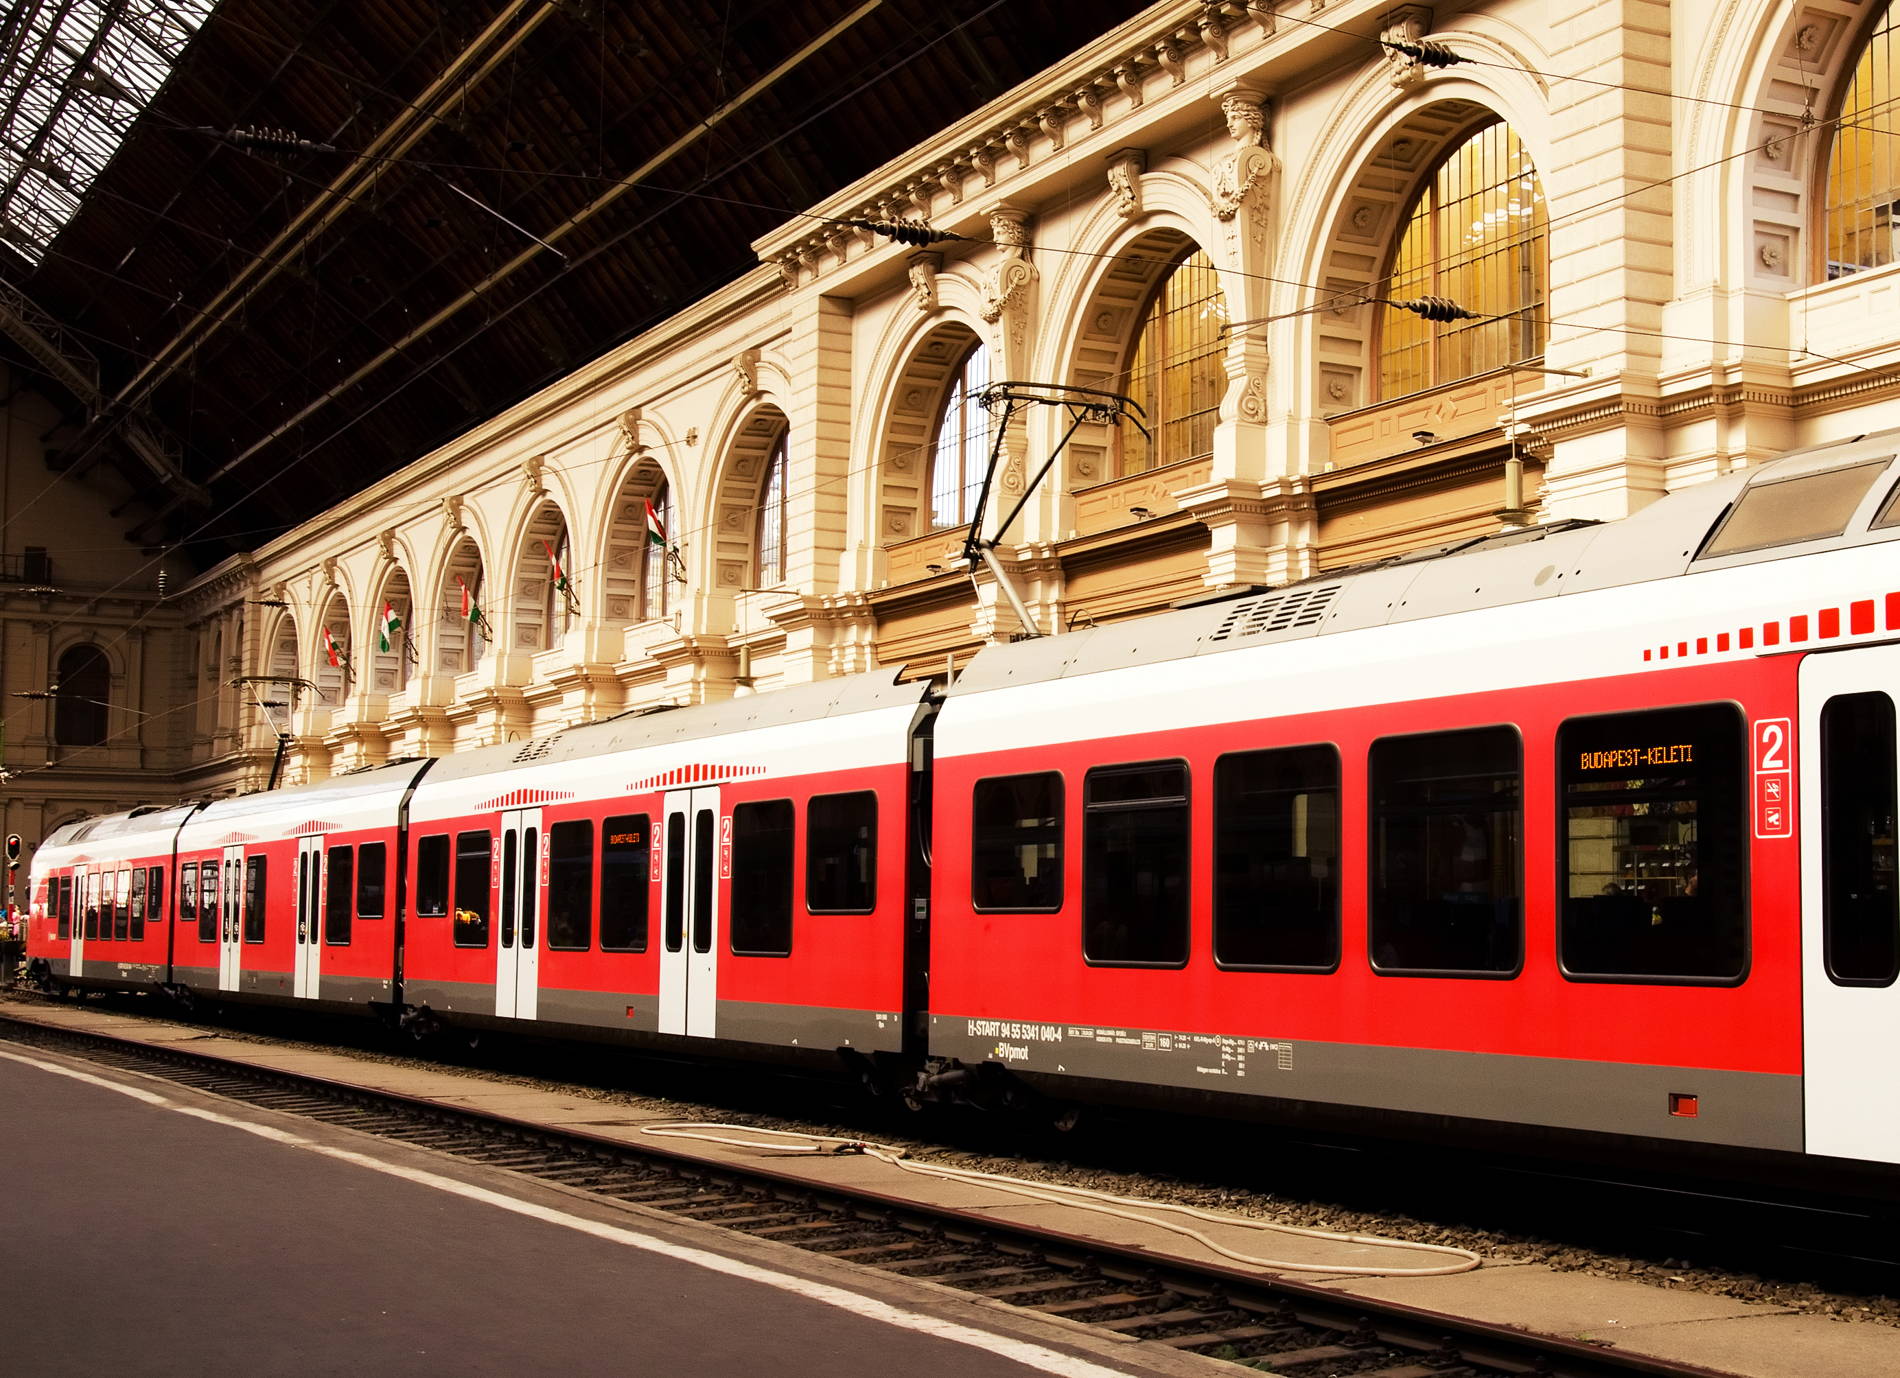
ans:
x=74 y=74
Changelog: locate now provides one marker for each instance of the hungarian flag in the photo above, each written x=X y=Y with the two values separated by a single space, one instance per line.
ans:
x=391 y=625
x=471 y=611
x=329 y=649
x=560 y=579
x=656 y=534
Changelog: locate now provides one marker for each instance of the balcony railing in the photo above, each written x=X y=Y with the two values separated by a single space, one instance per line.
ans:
x=33 y=567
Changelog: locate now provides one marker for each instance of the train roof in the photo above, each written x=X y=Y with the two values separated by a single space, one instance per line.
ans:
x=397 y=775
x=1823 y=498
x=830 y=698
x=105 y=827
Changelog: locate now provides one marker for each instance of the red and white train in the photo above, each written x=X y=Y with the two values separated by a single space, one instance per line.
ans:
x=1588 y=828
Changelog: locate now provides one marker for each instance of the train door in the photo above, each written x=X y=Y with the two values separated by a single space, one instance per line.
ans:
x=1850 y=900
x=689 y=905
x=518 y=962
x=82 y=897
x=231 y=920
x=307 y=957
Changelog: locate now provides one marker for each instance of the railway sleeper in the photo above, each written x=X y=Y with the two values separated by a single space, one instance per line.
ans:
x=1237 y=1335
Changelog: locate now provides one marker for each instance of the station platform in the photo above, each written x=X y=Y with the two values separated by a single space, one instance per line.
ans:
x=1723 y=1335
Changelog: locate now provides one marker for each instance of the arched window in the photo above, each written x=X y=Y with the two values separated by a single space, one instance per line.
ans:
x=656 y=581
x=962 y=448
x=1176 y=372
x=556 y=602
x=1476 y=235
x=85 y=686
x=1863 y=166
x=473 y=642
x=771 y=534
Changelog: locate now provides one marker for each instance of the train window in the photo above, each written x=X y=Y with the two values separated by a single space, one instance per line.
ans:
x=675 y=881
x=1135 y=864
x=188 y=891
x=571 y=885
x=1016 y=844
x=702 y=880
x=155 y=894
x=624 y=883
x=1447 y=852
x=136 y=905
x=1276 y=859
x=122 y=907
x=1860 y=905
x=432 y=876
x=510 y=843
x=256 y=894
x=208 y=902
x=1652 y=845
x=1806 y=507
x=841 y=853
x=64 y=907
x=473 y=868
x=762 y=853
x=372 y=868
x=339 y=895
x=89 y=905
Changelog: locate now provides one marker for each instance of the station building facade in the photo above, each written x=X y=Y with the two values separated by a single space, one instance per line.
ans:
x=1373 y=277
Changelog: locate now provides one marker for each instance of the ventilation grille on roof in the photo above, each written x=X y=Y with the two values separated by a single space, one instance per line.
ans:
x=535 y=750
x=1276 y=612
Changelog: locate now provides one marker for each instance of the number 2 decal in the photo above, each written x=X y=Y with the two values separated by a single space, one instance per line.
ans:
x=1774 y=779
x=1771 y=738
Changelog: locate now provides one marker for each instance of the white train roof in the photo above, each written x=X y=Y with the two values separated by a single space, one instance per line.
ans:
x=1664 y=540
x=349 y=793
x=113 y=827
x=833 y=698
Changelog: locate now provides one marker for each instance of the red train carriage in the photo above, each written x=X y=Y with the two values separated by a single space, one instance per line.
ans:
x=291 y=895
x=733 y=874
x=1513 y=835
x=101 y=890
x=1588 y=829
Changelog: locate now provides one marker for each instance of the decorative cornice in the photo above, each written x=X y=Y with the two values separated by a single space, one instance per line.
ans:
x=1018 y=131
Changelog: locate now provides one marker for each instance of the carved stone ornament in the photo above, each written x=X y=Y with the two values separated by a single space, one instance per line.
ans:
x=1251 y=162
x=746 y=364
x=1017 y=142
x=1089 y=101
x=924 y=267
x=787 y=267
x=1214 y=33
x=534 y=469
x=1252 y=405
x=983 y=159
x=1128 y=77
x=1009 y=227
x=452 y=509
x=1054 y=122
x=1173 y=60
x=1125 y=166
x=1406 y=24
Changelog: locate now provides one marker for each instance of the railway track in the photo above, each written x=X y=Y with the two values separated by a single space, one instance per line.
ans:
x=1258 y=1324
